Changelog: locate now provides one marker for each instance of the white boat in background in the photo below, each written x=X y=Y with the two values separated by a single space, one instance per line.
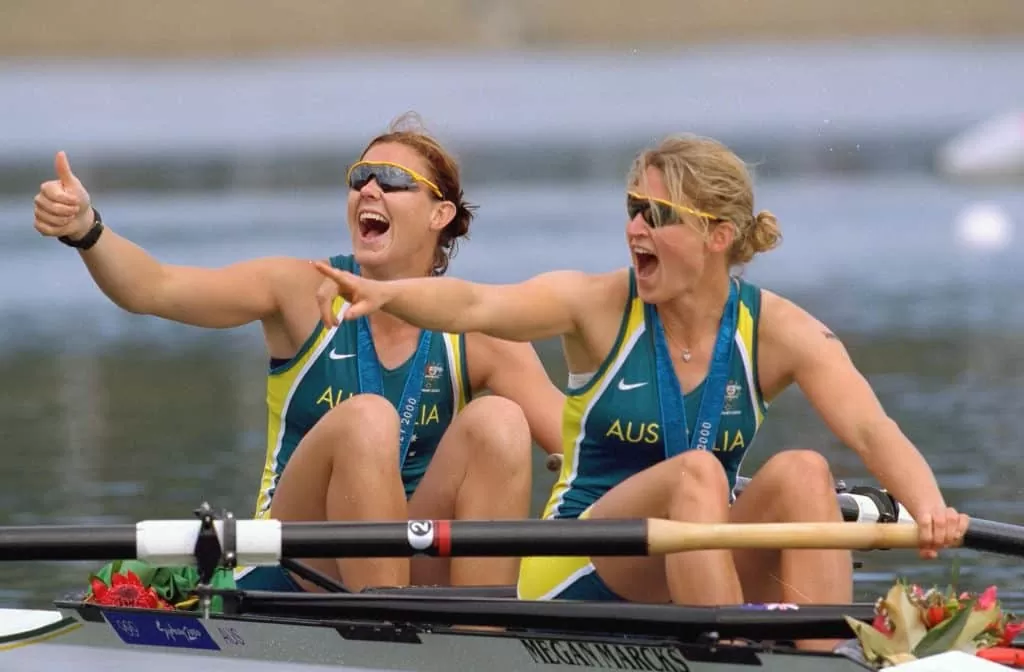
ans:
x=993 y=149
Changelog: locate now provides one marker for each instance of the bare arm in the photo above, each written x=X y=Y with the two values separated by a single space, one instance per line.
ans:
x=207 y=297
x=542 y=307
x=514 y=371
x=817 y=361
x=137 y=282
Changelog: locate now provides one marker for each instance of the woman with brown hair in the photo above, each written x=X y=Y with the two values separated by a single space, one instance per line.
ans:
x=374 y=419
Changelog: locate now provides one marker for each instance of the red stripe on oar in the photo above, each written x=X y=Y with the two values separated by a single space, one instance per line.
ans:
x=443 y=538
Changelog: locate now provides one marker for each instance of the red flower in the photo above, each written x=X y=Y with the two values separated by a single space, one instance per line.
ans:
x=1010 y=633
x=881 y=623
x=986 y=599
x=934 y=615
x=125 y=590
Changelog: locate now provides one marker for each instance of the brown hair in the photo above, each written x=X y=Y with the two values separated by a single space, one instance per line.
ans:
x=708 y=176
x=409 y=130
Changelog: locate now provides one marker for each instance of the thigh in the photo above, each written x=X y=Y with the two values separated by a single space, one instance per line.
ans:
x=435 y=495
x=649 y=494
x=434 y=499
x=486 y=444
x=359 y=434
x=489 y=432
x=755 y=505
x=792 y=485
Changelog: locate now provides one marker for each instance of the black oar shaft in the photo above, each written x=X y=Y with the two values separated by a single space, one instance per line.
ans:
x=499 y=538
x=993 y=537
x=512 y=538
x=68 y=542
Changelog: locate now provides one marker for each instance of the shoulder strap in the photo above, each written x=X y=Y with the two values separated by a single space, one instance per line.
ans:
x=343 y=262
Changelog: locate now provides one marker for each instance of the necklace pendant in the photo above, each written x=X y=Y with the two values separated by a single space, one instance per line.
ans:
x=686 y=355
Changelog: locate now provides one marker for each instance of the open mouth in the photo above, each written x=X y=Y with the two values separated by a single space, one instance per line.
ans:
x=646 y=263
x=373 y=225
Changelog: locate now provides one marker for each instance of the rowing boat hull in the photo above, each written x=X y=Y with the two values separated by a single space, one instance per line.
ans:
x=94 y=641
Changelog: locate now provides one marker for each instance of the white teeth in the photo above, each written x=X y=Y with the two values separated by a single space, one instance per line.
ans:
x=372 y=216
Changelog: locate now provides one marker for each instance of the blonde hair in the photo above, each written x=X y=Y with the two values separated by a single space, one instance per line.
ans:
x=708 y=176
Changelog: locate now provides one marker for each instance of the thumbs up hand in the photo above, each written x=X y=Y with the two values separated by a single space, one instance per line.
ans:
x=62 y=206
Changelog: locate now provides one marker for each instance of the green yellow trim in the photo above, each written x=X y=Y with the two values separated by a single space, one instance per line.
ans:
x=578 y=403
x=745 y=330
x=281 y=384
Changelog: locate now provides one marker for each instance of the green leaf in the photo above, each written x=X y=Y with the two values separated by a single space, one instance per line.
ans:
x=954 y=577
x=908 y=629
x=942 y=637
x=876 y=645
x=977 y=622
x=145 y=572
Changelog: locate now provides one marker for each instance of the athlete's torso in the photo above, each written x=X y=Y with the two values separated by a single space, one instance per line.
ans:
x=325 y=372
x=611 y=425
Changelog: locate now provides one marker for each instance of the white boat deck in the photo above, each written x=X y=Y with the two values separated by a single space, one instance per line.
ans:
x=14 y=621
x=95 y=648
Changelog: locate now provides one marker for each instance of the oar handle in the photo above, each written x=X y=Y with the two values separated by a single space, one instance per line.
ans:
x=669 y=536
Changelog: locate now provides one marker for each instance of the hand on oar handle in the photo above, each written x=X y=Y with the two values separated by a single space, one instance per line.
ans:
x=670 y=536
x=62 y=206
x=939 y=528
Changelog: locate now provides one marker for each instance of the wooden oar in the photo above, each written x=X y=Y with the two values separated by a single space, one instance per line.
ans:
x=668 y=536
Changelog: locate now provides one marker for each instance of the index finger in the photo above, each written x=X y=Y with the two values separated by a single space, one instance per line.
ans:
x=330 y=272
x=325 y=301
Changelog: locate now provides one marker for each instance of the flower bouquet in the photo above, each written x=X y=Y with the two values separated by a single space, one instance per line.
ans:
x=911 y=623
x=134 y=583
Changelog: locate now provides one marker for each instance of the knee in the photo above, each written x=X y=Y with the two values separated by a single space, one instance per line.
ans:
x=701 y=476
x=496 y=430
x=799 y=472
x=359 y=427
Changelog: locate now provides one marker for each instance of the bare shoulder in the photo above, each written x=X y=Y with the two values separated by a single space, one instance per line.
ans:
x=791 y=340
x=290 y=274
x=784 y=321
x=291 y=268
x=291 y=281
x=486 y=355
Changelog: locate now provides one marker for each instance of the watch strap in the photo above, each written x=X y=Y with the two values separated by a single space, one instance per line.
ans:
x=90 y=238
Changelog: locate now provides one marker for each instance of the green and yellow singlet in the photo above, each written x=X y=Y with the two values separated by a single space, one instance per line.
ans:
x=326 y=371
x=612 y=430
x=611 y=426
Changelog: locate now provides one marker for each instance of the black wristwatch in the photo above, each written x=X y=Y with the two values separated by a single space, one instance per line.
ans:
x=90 y=238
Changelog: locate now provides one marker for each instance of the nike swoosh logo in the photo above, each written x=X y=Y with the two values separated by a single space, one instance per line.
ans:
x=626 y=387
x=334 y=355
